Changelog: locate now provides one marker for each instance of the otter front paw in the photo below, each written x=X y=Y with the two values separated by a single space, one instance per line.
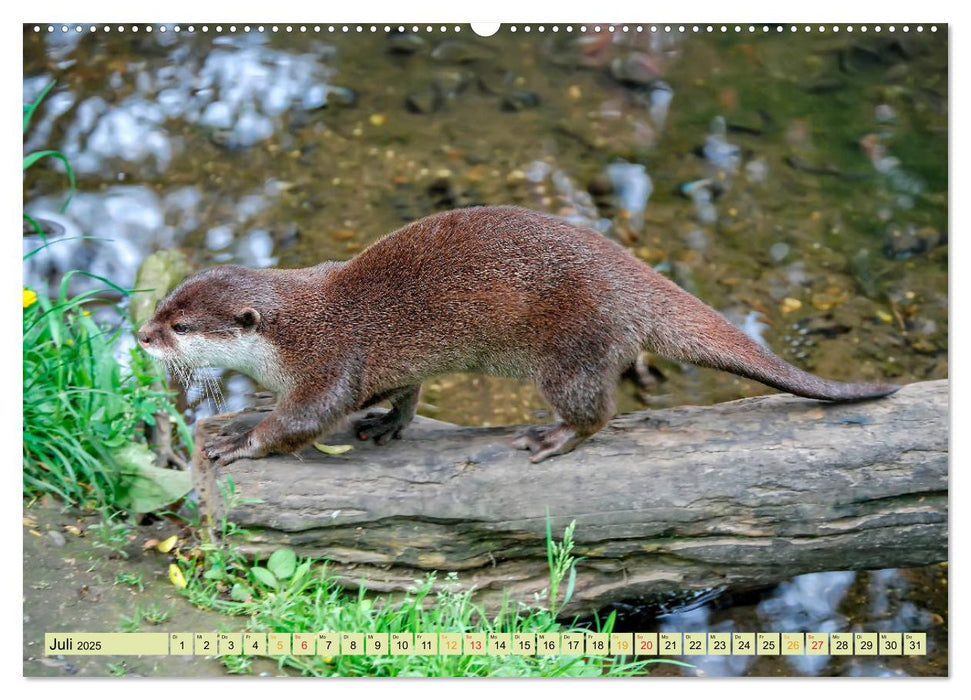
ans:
x=224 y=449
x=381 y=427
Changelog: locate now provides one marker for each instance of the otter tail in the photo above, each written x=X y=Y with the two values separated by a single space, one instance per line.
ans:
x=691 y=331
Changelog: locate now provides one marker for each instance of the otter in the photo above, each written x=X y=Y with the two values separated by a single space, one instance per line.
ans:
x=498 y=289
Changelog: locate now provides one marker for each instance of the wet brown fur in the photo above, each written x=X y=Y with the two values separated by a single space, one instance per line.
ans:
x=500 y=290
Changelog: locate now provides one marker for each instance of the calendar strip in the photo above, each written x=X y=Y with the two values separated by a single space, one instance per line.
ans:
x=636 y=644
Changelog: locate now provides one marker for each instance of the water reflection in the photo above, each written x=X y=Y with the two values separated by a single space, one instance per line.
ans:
x=821 y=602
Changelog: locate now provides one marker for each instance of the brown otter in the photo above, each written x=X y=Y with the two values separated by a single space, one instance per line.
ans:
x=500 y=290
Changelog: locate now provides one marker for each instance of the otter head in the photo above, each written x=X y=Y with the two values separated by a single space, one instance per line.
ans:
x=215 y=319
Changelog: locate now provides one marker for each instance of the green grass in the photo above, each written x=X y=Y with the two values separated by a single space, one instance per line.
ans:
x=290 y=594
x=79 y=404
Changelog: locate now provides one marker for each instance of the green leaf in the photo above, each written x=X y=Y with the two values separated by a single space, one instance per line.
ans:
x=301 y=571
x=143 y=487
x=240 y=592
x=264 y=576
x=216 y=573
x=571 y=584
x=333 y=449
x=283 y=562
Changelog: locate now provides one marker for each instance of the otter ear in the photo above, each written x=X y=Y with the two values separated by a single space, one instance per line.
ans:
x=247 y=317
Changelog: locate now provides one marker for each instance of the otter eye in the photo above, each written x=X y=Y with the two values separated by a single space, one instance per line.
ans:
x=180 y=328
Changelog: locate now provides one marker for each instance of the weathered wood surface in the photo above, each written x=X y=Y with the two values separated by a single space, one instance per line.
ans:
x=743 y=493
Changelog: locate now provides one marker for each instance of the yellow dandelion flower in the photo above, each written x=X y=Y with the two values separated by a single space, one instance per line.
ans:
x=30 y=297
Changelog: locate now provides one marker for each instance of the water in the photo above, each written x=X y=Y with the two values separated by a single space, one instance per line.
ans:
x=798 y=184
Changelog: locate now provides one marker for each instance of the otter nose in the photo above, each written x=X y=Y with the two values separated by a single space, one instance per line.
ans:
x=143 y=337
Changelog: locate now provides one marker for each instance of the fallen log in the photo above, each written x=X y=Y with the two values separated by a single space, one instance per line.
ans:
x=744 y=493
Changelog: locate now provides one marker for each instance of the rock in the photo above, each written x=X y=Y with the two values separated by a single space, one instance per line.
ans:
x=661 y=97
x=633 y=187
x=424 y=101
x=458 y=51
x=600 y=185
x=778 y=251
x=341 y=96
x=635 y=68
x=757 y=171
x=725 y=156
x=909 y=241
x=158 y=274
x=885 y=113
x=443 y=192
x=519 y=100
x=406 y=43
x=450 y=83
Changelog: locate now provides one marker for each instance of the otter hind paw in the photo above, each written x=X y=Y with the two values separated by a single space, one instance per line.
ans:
x=381 y=427
x=547 y=441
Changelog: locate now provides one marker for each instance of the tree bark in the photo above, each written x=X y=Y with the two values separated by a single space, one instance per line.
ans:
x=744 y=493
